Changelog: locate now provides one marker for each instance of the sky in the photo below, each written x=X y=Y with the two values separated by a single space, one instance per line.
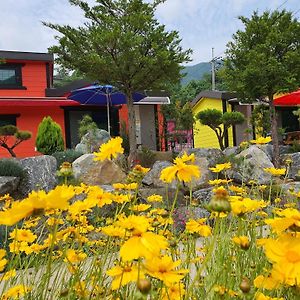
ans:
x=202 y=24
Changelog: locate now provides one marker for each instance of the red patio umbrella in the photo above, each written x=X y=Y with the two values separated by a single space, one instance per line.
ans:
x=292 y=99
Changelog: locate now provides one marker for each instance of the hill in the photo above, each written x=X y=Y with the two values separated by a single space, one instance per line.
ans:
x=195 y=72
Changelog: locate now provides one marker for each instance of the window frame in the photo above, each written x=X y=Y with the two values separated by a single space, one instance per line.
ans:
x=9 y=118
x=18 y=71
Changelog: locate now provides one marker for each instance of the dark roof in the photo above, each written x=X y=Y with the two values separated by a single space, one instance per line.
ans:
x=215 y=95
x=17 y=55
x=61 y=91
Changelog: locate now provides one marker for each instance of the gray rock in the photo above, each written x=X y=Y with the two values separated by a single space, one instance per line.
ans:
x=40 y=174
x=295 y=165
x=8 y=185
x=92 y=140
x=92 y=172
x=152 y=177
x=249 y=165
x=229 y=151
x=203 y=196
x=293 y=186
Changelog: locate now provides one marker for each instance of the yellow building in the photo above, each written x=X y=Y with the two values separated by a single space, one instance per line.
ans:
x=205 y=137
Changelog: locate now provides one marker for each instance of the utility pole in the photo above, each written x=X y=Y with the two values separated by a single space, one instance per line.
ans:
x=213 y=70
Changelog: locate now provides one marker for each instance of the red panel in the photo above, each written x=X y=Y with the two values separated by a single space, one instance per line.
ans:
x=123 y=115
x=292 y=99
x=40 y=102
x=29 y=119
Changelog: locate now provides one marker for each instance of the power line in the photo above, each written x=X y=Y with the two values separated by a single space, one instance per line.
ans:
x=282 y=4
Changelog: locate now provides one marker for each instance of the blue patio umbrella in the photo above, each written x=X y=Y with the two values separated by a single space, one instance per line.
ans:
x=102 y=95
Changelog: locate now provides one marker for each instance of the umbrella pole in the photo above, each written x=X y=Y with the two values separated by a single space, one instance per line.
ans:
x=108 y=118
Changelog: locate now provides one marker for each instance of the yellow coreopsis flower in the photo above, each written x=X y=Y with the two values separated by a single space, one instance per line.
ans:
x=74 y=257
x=9 y=274
x=16 y=292
x=110 y=150
x=155 y=198
x=180 y=170
x=242 y=241
x=198 y=226
x=115 y=231
x=268 y=283
x=125 y=274
x=174 y=291
x=219 y=181
x=261 y=296
x=3 y=261
x=221 y=167
x=246 y=205
x=140 y=207
x=290 y=219
x=275 y=171
x=164 y=269
x=141 y=169
x=262 y=140
x=123 y=186
x=23 y=235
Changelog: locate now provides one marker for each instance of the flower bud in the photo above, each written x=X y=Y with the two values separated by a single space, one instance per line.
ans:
x=245 y=285
x=144 y=285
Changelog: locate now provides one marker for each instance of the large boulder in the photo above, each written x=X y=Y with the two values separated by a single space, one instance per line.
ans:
x=92 y=140
x=249 y=165
x=295 y=164
x=203 y=196
x=40 y=174
x=8 y=185
x=92 y=172
x=152 y=177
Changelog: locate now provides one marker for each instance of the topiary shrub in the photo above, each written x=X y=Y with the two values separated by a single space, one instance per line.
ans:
x=86 y=124
x=68 y=155
x=9 y=167
x=49 y=137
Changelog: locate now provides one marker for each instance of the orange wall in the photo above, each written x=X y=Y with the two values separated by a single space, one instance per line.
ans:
x=33 y=78
x=123 y=115
x=29 y=119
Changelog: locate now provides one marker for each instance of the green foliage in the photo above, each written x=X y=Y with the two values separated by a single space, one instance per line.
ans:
x=49 y=137
x=8 y=130
x=260 y=119
x=86 y=124
x=297 y=114
x=146 y=157
x=9 y=167
x=295 y=147
x=68 y=155
x=219 y=122
x=23 y=135
x=123 y=44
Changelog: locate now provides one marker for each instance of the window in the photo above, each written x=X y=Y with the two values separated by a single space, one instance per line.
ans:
x=8 y=120
x=11 y=76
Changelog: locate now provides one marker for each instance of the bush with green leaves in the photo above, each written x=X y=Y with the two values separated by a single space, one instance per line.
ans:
x=68 y=155
x=220 y=122
x=9 y=167
x=49 y=137
x=11 y=131
x=86 y=124
x=260 y=119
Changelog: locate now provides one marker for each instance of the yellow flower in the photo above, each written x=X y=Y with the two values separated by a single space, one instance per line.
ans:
x=141 y=169
x=219 y=181
x=242 y=241
x=261 y=140
x=237 y=189
x=290 y=219
x=261 y=296
x=109 y=150
x=246 y=205
x=221 y=167
x=140 y=207
x=174 y=291
x=155 y=198
x=275 y=172
x=23 y=235
x=123 y=186
x=180 y=170
x=3 y=261
x=268 y=283
x=7 y=275
x=198 y=226
x=124 y=274
x=16 y=292
x=74 y=257
x=121 y=198
x=164 y=269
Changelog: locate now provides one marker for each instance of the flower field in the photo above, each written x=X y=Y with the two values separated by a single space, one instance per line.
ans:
x=61 y=244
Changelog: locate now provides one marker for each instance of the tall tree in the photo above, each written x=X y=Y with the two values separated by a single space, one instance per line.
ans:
x=122 y=44
x=264 y=59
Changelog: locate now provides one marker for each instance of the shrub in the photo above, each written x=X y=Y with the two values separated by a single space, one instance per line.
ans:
x=68 y=155
x=49 y=137
x=11 y=168
x=86 y=124
x=146 y=157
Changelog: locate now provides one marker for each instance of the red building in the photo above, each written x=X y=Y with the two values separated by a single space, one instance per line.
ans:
x=27 y=96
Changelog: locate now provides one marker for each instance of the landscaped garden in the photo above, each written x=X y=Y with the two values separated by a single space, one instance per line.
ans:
x=84 y=242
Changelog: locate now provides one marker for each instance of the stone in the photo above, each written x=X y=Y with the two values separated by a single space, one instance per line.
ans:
x=249 y=165
x=8 y=185
x=152 y=177
x=295 y=165
x=91 y=172
x=230 y=151
x=203 y=196
x=40 y=174
x=92 y=140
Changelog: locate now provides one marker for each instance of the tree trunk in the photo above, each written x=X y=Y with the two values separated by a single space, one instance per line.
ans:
x=11 y=152
x=274 y=132
x=131 y=130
